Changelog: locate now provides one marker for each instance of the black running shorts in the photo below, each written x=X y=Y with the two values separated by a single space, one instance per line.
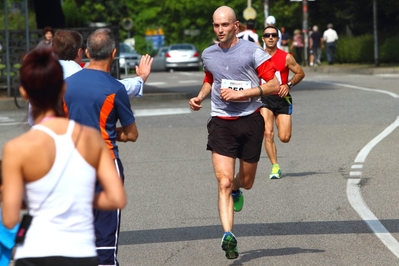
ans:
x=241 y=138
x=278 y=105
x=57 y=260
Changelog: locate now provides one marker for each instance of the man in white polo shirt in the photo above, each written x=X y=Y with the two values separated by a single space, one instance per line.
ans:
x=330 y=37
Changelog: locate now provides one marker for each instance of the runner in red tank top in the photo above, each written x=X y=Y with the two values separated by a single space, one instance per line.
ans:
x=278 y=108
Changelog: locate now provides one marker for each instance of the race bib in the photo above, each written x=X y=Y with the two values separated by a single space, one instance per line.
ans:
x=237 y=85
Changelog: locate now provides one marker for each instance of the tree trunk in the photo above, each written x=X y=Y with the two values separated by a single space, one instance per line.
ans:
x=49 y=13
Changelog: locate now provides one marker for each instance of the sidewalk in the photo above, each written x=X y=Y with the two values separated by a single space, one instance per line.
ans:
x=157 y=94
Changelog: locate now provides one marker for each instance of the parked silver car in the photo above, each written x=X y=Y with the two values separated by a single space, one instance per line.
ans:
x=177 y=56
x=128 y=57
x=159 y=60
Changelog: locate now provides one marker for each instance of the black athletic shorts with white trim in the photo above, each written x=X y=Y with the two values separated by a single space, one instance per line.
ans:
x=241 y=138
x=278 y=105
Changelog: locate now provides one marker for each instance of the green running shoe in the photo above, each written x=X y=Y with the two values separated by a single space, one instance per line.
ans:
x=238 y=200
x=229 y=245
x=276 y=172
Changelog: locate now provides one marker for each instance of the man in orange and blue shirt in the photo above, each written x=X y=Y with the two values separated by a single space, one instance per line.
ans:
x=96 y=99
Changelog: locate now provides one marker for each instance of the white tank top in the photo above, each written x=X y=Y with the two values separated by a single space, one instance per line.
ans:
x=62 y=222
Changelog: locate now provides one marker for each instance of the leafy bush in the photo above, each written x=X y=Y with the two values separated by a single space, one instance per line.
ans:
x=389 y=50
x=73 y=15
x=358 y=49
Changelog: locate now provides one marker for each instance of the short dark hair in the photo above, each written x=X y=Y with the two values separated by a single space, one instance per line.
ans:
x=250 y=24
x=66 y=44
x=270 y=27
x=48 y=28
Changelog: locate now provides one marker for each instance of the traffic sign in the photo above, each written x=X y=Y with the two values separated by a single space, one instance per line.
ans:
x=249 y=13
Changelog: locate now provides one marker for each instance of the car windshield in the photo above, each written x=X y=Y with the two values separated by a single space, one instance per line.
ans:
x=124 y=48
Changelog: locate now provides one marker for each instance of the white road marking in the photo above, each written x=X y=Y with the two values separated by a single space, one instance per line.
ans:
x=357 y=202
x=188 y=81
x=392 y=94
x=13 y=123
x=5 y=118
x=155 y=83
x=164 y=111
x=353 y=185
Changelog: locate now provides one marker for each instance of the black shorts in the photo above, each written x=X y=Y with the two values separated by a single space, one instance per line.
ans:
x=57 y=260
x=241 y=138
x=278 y=105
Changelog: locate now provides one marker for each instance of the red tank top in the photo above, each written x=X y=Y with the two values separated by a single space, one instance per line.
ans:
x=279 y=61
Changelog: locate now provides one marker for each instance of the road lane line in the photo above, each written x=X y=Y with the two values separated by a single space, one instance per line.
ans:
x=155 y=83
x=188 y=81
x=163 y=111
x=355 y=196
x=354 y=184
x=13 y=123
x=392 y=94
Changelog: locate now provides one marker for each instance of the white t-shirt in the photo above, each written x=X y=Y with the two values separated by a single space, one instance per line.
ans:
x=248 y=35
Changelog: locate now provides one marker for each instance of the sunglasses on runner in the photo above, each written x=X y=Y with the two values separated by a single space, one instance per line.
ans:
x=267 y=35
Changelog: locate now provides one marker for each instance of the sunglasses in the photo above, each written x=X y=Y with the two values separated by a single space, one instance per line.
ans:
x=267 y=35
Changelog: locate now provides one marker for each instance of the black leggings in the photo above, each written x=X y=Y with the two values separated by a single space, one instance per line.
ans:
x=57 y=260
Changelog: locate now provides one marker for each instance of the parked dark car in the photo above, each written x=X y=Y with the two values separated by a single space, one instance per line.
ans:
x=177 y=56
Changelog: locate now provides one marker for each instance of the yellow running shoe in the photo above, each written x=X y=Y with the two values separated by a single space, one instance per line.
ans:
x=276 y=172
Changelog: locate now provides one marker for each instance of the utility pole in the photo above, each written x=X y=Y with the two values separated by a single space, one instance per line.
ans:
x=375 y=29
x=305 y=30
x=266 y=9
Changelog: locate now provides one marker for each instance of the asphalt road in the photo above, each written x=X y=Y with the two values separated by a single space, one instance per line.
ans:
x=336 y=203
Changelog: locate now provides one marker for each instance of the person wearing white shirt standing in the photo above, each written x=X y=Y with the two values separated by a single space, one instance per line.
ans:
x=69 y=48
x=330 y=37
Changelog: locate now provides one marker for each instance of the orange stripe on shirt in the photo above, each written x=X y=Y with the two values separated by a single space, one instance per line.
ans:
x=106 y=109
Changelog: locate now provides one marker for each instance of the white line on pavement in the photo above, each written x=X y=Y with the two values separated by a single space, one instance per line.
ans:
x=155 y=83
x=356 y=199
x=353 y=185
x=188 y=81
x=394 y=95
x=164 y=111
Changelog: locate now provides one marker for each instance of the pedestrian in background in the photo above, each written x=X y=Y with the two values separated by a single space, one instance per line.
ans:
x=69 y=48
x=285 y=40
x=297 y=44
x=48 y=33
x=235 y=131
x=330 y=37
x=249 y=32
x=316 y=44
x=53 y=169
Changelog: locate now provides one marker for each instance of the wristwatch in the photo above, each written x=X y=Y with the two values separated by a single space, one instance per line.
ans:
x=290 y=84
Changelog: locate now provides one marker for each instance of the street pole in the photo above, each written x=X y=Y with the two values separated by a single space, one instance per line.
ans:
x=375 y=29
x=305 y=30
x=266 y=9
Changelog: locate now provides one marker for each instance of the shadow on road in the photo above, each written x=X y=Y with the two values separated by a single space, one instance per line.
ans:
x=246 y=230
